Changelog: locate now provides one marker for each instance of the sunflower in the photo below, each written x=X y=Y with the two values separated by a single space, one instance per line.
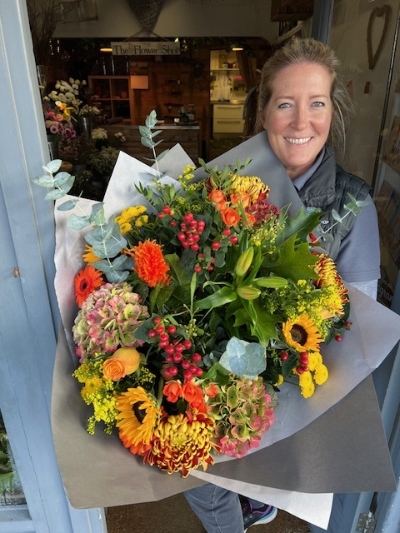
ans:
x=85 y=282
x=137 y=418
x=301 y=334
x=150 y=264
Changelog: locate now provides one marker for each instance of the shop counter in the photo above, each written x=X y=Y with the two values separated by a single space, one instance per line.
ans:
x=188 y=136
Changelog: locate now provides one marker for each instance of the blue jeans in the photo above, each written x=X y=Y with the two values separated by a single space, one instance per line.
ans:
x=218 y=509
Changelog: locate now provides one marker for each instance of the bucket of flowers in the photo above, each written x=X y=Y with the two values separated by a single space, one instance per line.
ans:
x=194 y=306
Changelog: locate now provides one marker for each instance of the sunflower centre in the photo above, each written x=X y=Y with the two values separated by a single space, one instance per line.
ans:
x=139 y=413
x=299 y=334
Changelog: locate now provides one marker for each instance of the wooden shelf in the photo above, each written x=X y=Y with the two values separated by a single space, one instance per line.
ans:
x=115 y=95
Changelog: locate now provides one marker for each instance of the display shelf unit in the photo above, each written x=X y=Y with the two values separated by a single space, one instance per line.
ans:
x=115 y=95
x=226 y=79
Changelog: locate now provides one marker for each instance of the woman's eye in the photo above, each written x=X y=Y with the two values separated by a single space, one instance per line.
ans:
x=318 y=104
x=283 y=106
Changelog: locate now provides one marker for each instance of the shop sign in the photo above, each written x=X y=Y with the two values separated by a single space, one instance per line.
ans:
x=141 y=48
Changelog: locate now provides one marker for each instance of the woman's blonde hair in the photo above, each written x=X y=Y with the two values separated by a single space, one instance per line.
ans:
x=308 y=51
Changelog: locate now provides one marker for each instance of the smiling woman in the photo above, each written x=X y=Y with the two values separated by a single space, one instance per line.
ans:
x=301 y=105
x=298 y=115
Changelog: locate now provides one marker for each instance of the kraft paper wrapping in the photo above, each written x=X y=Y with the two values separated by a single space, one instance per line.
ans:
x=332 y=442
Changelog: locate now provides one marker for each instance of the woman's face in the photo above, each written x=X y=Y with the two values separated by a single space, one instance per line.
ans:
x=298 y=116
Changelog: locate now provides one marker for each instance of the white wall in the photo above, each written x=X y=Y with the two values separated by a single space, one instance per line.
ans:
x=180 y=18
x=349 y=40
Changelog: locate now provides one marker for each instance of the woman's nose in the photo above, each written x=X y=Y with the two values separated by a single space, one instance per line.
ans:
x=300 y=117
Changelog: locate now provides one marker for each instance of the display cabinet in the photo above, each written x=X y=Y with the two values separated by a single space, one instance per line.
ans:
x=115 y=96
x=227 y=120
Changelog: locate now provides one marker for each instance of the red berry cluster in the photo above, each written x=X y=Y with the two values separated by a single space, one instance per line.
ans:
x=191 y=230
x=176 y=360
x=302 y=365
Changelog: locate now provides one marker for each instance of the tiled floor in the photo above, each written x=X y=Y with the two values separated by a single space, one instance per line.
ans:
x=173 y=515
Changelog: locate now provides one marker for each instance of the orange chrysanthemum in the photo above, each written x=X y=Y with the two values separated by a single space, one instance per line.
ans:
x=181 y=443
x=150 y=264
x=328 y=276
x=86 y=281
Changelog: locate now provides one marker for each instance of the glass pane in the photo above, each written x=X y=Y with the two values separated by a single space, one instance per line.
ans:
x=11 y=492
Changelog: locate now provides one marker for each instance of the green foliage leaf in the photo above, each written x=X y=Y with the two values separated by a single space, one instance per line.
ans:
x=179 y=273
x=218 y=374
x=160 y=295
x=264 y=327
x=294 y=262
x=301 y=225
x=217 y=299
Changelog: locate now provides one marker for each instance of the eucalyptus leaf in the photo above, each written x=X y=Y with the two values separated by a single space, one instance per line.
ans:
x=78 y=223
x=61 y=178
x=151 y=119
x=123 y=262
x=53 y=166
x=112 y=271
x=160 y=156
x=144 y=131
x=97 y=216
x=67 y=206
x=244 y=358
x=109 y=248
x=44 y=181
x=55 y=194
x=148 y=143
x=353 y=208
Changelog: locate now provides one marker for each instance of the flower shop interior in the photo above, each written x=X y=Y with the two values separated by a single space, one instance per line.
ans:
x=94 y=72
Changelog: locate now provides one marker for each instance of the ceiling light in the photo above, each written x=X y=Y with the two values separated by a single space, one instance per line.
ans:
x=106 y=50
x=236 y=48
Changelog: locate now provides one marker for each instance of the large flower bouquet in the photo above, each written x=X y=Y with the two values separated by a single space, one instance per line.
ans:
x=194 y=308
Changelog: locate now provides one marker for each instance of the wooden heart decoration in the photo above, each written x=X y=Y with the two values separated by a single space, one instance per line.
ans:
x=377 y=12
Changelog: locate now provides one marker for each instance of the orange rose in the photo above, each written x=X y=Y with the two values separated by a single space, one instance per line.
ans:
x=191 y=392
x=212 y=390
x=123 y=362
x=198 y=405
x=242 y=198
x=230 y=217
x=250 y=219
x=172 y=391
x=217 y=196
